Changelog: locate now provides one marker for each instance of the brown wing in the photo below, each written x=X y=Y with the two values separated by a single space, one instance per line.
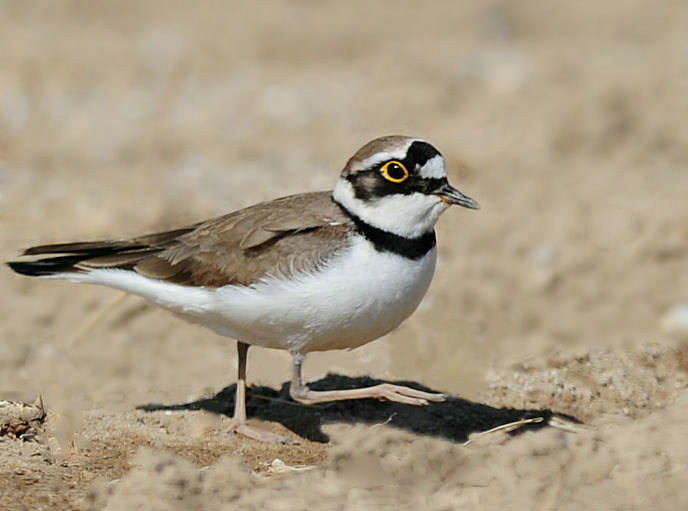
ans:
x=283 y=236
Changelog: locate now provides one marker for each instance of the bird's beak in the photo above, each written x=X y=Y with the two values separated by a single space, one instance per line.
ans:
x=451 y=195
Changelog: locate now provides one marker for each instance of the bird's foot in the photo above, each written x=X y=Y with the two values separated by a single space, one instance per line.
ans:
x=404 y=395
x=383 y=392
x=242 y=428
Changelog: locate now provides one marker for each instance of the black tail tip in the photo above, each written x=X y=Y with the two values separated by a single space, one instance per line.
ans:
x=43 y=267
x=28 y=268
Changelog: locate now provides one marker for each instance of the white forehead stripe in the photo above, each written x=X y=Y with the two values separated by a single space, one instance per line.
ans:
x=433 y=168
x=380 y=157
x=398 y=153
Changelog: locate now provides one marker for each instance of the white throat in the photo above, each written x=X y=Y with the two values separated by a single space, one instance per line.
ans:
x=409 y=216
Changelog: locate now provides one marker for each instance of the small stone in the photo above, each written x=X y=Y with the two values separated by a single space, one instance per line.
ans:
x=20 y=420
x=675 y=321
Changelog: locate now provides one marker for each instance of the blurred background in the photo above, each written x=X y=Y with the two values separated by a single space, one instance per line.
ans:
x=565 y=120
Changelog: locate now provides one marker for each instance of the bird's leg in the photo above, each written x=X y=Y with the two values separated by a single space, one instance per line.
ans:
x=240 y=397
x=384 y=392
x=238 y=423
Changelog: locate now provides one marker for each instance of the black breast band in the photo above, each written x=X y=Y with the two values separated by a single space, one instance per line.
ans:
x=384 y=241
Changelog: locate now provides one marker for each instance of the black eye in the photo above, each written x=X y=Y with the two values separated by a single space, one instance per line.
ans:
x=395 y=171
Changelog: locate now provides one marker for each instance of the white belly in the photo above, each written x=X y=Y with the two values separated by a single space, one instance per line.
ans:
x=357 y=297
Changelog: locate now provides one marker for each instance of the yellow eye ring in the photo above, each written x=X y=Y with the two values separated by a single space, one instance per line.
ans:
x=395 y=171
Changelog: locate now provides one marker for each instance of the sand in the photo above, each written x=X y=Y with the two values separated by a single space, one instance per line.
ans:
x=562 y=301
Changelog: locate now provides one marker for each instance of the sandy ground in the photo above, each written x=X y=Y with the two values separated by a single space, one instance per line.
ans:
x=564 y=298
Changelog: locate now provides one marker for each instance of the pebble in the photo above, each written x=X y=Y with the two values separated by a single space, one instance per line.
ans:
x=675 y=321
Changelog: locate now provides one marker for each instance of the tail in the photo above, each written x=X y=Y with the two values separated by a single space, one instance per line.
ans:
x=45 y=267
x=84 y=256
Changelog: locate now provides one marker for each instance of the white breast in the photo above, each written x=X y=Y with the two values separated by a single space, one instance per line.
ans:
x=360 y=295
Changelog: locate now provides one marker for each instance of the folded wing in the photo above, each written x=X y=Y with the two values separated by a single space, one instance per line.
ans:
x=292 y=234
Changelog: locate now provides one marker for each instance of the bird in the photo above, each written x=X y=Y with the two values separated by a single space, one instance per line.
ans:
x=308 y=272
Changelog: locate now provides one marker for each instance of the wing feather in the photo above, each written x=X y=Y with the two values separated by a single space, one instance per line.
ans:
x=287 y=235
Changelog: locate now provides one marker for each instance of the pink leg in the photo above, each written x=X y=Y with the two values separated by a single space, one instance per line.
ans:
x=384 y=392
x=238 y=423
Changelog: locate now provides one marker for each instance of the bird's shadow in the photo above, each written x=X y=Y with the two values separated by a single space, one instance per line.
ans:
x=453 y=419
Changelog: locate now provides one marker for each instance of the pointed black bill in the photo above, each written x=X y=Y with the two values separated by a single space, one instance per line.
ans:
x=451 y=195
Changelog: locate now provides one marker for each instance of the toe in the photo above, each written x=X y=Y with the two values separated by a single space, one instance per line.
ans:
x=400 y=398
x=409 y=396
x=428 y=396
x=392 y=393
x=241 y=428
x=262 y=435
x=437 y=398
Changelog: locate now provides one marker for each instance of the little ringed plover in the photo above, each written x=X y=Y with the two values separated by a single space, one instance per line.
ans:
x=309 y=272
